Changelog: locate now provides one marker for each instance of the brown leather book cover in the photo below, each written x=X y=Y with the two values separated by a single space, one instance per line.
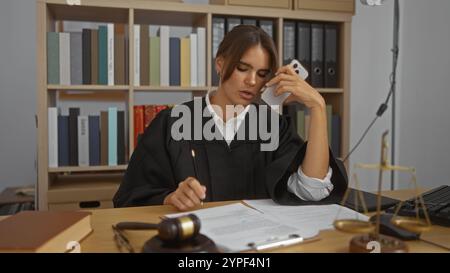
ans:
x=119 y=59
x=44 y=231
x=144 y=55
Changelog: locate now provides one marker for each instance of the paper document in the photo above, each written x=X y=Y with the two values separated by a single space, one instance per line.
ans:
x=307 y=219
x=234 y=227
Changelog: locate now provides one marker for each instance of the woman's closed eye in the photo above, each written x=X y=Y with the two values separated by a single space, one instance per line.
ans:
x=263 y=73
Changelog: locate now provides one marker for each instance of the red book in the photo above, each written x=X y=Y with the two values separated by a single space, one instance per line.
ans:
x=149 y=114
x=138 y=122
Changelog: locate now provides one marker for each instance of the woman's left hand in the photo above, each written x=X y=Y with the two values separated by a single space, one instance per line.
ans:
x=301 y=91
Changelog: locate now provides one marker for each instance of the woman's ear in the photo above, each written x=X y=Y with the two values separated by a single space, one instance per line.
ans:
x=219 y=65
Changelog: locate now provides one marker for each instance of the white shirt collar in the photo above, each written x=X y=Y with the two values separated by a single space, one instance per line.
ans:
x=229 y=129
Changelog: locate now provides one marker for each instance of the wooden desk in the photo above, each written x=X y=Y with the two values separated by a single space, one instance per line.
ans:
x=101 y=240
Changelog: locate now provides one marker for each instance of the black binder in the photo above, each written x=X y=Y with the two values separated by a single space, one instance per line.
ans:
x=86 y=56
x=73 y=136
x=317 y=77
x=288 y=42
x=331 y=56
x=304 y=46
x=121 y=138
x=232 y=22
x=267 y=26
x=218 y=32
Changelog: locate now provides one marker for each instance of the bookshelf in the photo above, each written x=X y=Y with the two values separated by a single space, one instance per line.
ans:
x=59 y=187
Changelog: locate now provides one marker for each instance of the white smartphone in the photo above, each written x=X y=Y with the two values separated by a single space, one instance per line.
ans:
x=276 y=102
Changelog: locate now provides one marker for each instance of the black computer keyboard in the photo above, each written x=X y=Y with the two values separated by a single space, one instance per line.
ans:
x=437 y=202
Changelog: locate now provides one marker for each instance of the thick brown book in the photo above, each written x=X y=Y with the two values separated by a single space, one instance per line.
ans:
x=119 y=59
x=44 y=231
x=144 y=56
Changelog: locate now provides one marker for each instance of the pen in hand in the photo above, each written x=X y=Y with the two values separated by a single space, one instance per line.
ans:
x=195 y=168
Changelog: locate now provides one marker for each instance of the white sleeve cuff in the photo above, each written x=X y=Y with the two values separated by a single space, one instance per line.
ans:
x=310 y=188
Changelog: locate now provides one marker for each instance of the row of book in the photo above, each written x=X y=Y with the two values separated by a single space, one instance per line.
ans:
x=163 y=60
x=143 y=116
x=222 y=25
x=92 y=56
x=77 y=140
x=315 y=45
x=301 y=120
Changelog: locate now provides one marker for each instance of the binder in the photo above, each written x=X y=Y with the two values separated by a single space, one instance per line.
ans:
x=267 y=26
x=288 y=42
x=249 y=21
x=218 y=32
x=232 y=22
x=304 y=46
x=317 y=77
x=331 y=62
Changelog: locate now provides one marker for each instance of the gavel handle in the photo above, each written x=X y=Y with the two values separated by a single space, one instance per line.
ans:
x=136 y=225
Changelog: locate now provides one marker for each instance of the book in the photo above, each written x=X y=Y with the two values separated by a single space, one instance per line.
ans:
x=64 y=58
x=110 y=47
x=43 y=231
x=185 y=62
x=102 y=55
x=83 y=141
x=164 y=34
x=201 y=56
x=52 y=57
x=53 y=137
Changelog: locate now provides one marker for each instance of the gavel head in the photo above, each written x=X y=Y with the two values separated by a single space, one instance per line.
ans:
x=179 y=229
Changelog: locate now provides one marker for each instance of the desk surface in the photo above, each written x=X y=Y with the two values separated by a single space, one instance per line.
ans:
x=101 y=240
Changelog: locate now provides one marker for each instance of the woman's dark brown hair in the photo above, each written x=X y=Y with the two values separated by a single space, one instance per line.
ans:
x=238 y=41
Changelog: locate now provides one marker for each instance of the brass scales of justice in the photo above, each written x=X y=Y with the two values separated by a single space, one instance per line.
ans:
x=370 y=231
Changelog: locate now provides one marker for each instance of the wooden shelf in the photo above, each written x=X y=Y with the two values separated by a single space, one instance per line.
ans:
x=54 y=183
x=88 y=87
x=170 y=88
x=87 y=169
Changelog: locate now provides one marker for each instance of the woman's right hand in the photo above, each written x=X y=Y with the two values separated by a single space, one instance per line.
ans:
x=187 y=196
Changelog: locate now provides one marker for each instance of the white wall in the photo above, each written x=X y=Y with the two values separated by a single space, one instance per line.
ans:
x=371 y=63
x=423 y=88
x=17 y=92
x=424 y=105
x=422 y=95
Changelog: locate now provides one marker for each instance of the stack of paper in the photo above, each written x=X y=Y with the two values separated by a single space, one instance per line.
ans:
x=238 y=227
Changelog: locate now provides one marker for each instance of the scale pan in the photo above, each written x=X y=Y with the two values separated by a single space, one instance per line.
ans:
x=354 y=226
x=411 y=224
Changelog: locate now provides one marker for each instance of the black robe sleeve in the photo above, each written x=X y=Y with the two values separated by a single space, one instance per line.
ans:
x=149 y=176
x=286 y=160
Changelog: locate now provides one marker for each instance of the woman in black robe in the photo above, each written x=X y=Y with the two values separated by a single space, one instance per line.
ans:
x=164 y=170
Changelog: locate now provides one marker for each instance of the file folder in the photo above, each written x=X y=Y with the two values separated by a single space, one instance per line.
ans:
x=218 y=32
x=317 y=77
x=304 y=46
x=288 y=42
x=331 y=56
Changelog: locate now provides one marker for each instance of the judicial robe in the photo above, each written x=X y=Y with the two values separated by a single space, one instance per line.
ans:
x=235 y=172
